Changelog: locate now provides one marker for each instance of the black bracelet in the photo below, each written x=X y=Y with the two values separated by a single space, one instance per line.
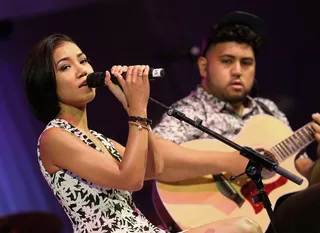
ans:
x=140 y=119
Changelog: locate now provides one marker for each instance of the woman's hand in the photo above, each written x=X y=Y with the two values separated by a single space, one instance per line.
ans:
x=135 y=89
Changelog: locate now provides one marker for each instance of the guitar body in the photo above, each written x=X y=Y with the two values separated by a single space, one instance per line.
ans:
x=194 y=202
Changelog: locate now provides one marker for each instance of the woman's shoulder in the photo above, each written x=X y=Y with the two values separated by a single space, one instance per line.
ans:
x=55 y=127
x=59 y=123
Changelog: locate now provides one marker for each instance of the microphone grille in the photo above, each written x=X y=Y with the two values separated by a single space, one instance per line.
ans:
x=96 y=79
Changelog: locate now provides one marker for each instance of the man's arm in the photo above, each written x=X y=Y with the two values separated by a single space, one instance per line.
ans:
x=182 y=163
x=304 y=166
x=315 y=169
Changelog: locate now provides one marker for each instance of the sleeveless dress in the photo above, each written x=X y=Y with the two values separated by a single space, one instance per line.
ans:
x=90 y=207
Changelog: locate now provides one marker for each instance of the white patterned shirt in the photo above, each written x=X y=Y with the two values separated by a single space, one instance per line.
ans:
x=215 y=114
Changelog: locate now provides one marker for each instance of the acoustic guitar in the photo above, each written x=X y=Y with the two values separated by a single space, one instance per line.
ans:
x=194 y=202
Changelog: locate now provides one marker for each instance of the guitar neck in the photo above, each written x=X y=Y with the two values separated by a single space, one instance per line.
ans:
x=295 y=143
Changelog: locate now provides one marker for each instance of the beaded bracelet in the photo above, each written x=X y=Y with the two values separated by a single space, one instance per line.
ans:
x=142 y=120
x=140 y=126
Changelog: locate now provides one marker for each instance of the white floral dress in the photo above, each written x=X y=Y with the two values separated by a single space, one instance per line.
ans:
x=90 y=207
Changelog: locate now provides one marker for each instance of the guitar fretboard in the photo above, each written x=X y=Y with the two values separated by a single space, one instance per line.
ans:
x=295 y=143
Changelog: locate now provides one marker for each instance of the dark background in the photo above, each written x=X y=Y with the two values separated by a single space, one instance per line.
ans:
x=140 y=32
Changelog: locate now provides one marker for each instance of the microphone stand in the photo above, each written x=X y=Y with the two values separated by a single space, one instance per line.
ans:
x=254 y=167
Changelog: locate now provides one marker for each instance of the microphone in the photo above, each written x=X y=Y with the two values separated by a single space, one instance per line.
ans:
x=96 y=79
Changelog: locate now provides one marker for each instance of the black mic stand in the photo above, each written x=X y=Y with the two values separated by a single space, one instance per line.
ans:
x=254 y=167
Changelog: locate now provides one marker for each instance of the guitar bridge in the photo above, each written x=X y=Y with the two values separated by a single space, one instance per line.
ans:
x=227 y=190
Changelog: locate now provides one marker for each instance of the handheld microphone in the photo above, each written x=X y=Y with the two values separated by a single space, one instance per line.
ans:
x=96 y=79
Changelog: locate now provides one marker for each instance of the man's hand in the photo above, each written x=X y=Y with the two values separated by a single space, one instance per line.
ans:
x=316 y=126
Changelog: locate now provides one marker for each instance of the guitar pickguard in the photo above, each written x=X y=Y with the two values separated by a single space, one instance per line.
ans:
x=249 y=190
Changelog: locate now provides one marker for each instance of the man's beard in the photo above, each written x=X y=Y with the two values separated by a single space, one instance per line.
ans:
x=234 y=98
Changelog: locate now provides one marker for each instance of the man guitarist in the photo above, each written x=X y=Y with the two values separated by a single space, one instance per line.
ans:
x=222 y=101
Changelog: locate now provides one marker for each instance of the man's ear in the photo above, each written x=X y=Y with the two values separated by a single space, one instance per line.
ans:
x=202 y=66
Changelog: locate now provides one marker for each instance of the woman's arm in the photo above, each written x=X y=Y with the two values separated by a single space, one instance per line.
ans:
x=154 y=163
x=154 y=166
x=65 y=151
